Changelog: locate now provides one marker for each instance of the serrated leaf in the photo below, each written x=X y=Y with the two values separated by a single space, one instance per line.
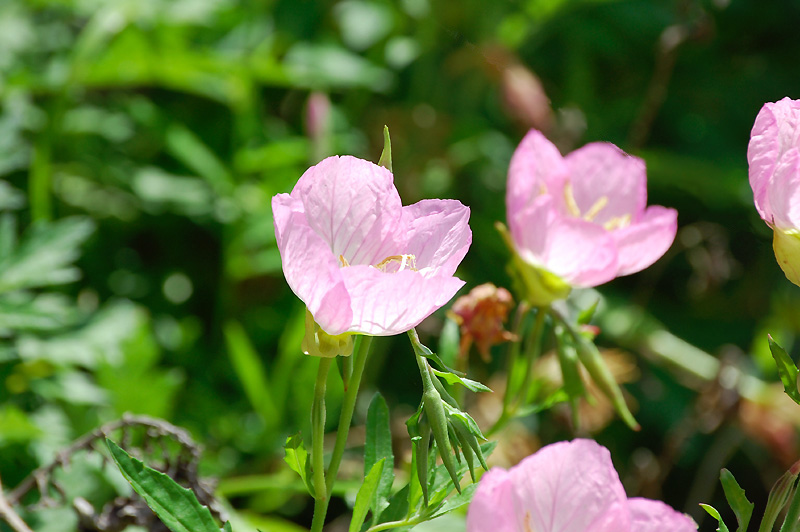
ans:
x=715 y=514
x=452 y=378
x=379 y=447
x=45 y=255
x=366 y=494
x=787 y=370
x=22 y=311
x=176 y=506
x=742 y=508
x=297 y=458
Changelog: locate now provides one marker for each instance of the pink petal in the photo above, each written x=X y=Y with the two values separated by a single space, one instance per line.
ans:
x=605 y=177
x=310 y=268
x=569 y=487
x=783 y=192
x=492 y=508
x=776 y=130
x=536 y=168
x=641 y=244
x=655 y=516
x=384 y=304
x=353 y=206
x=580 y=252
x=437 y=233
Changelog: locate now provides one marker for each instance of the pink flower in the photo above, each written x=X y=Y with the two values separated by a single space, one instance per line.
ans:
x=584 y=217
x=774 y=158
x=566 y=487
x=359 y=260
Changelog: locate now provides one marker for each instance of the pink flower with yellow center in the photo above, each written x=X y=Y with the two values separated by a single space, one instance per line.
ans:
x=358 y=259
x=581 y=220
x=774 y=158
x=566 y=487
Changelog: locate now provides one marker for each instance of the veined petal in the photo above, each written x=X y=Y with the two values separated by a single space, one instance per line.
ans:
x=606 y=183
x=783 y=192
x=492 y=508
x=437 y=233
x=569 y=487
x=384 y=304
x=641 y=244
x=655 y=516
x=536 y=168
x=580 y=252
x=353 y=206
x=775 y=131
x=310 y=268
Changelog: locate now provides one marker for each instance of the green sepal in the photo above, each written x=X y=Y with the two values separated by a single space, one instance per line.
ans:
x=386 y=154
x=787 y=370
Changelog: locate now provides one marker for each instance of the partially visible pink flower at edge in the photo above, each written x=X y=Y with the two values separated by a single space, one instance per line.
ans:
x=773 y=155
x=566 y=487
x=358 y=259
x=584 y=217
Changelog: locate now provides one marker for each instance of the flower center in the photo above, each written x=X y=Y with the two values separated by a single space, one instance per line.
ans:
x=617 y=222
x=391 y=264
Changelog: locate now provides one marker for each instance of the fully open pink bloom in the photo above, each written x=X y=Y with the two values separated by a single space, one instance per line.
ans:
x=566 y=487
x=584 y=217
x=774 y=158
x=359 y=260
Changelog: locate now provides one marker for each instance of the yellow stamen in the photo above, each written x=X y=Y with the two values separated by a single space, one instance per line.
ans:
x=344 y=262
x=618 y=222
x=596 y=208
x=406 y=261
x=569 y=199
x=528 y=527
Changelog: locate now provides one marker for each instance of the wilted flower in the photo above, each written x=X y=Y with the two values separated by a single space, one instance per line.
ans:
x=359 y=260
x=774 y=158
x=566 y=487
x=581 y=220
x=481 y=315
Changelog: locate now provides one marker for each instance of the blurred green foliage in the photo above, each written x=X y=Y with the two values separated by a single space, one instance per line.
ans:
x=141 y=142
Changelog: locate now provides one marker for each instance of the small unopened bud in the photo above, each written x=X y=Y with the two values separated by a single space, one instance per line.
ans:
x=525 y=98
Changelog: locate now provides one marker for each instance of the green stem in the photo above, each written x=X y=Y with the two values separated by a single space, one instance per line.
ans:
x=393 y=524
x=348 y=406
x=792 y=521
x=533 y=347
x=317 y=445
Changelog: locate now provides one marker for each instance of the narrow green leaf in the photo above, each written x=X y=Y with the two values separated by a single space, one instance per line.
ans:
x=715 y=514
x=227 y=527
x=386 y=154
x=379 y=447
x=176 y=506
x=188 y=148
x=452 y=378
x=786 y=369
x=742 y=508
x=251 y=373
x=586 y=315
x=297 y=458
x=366 y=494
